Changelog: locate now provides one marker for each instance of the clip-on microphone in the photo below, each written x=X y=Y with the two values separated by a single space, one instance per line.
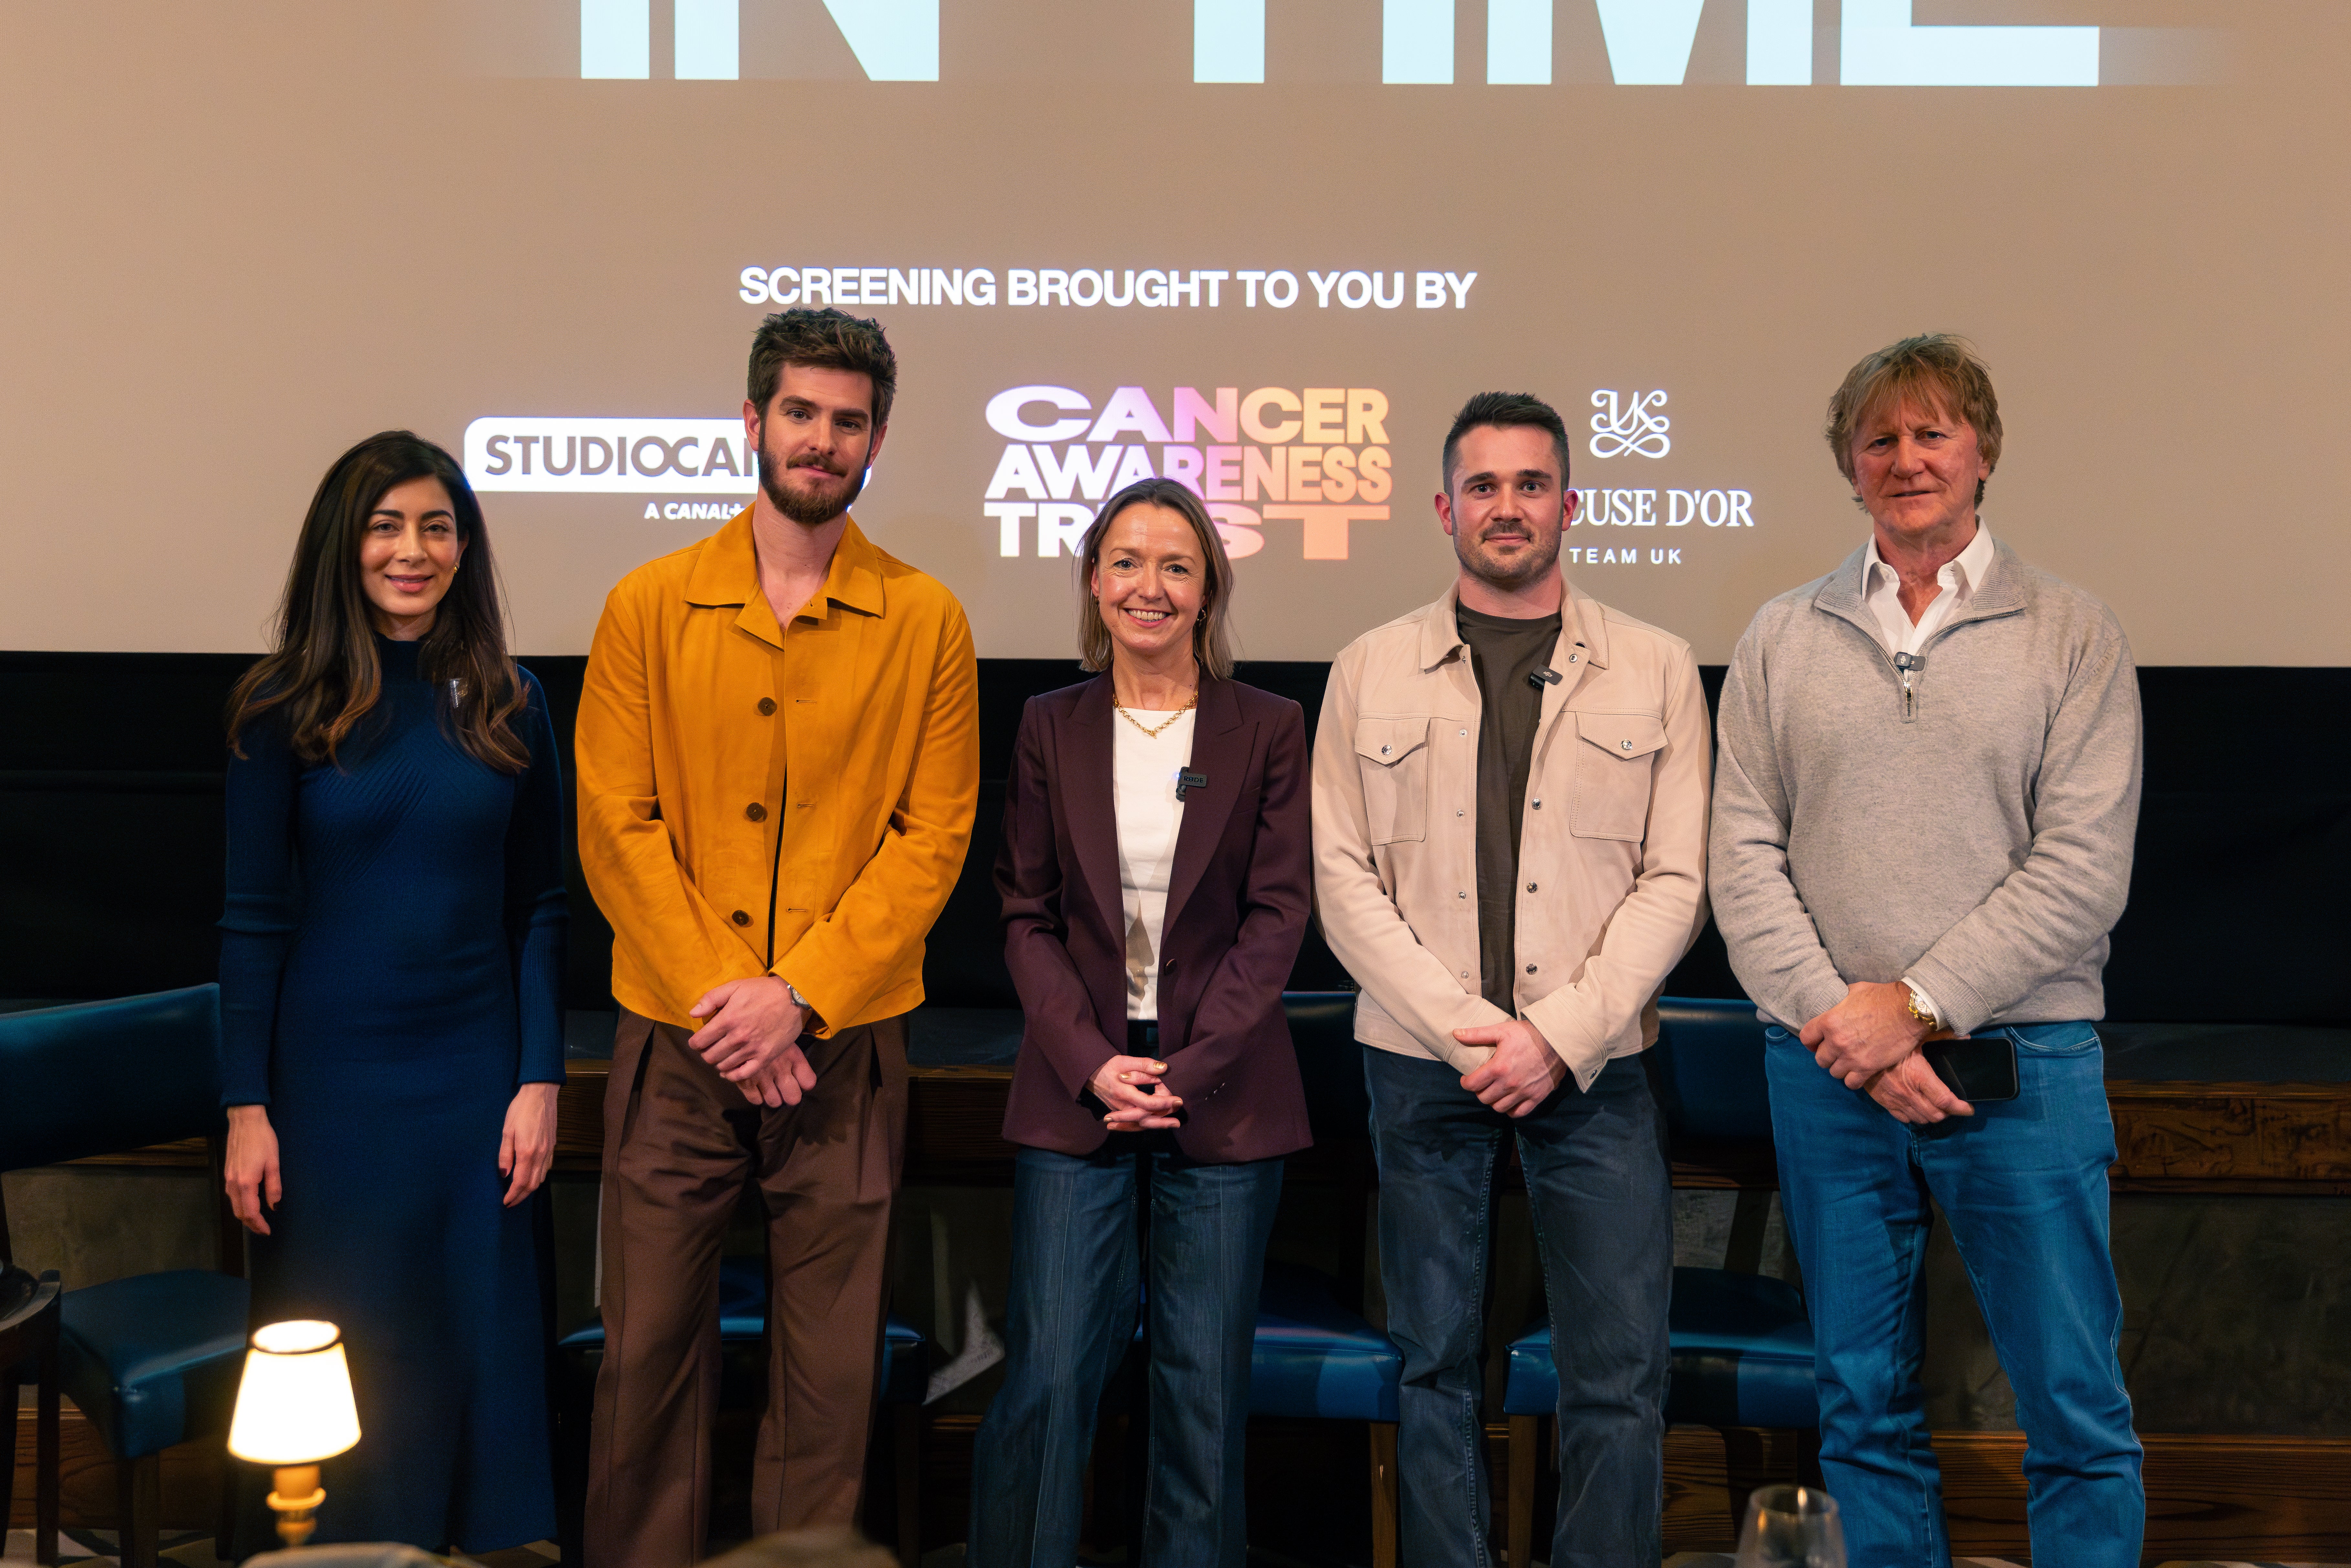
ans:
x=1188 y=779
x=1546 y=676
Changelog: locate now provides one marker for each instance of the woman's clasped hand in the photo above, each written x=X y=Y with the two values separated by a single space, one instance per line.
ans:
x=1131 y=1087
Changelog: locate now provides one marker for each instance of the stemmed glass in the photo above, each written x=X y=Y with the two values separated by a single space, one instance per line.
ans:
x=1790 y=1527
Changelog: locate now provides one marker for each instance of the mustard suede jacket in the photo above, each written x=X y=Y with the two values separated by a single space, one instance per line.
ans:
x=763 y=800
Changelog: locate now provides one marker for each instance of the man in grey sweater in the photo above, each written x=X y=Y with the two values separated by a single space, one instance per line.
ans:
x=1923 y=817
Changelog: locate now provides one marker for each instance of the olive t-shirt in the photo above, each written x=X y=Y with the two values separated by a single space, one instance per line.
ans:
x=1504 y=652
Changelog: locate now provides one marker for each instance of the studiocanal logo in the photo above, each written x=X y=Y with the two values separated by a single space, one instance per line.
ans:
x=617 y=457
x=1317 y=456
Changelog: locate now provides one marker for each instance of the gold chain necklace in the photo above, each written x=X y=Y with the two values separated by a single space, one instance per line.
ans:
x=1147 y=729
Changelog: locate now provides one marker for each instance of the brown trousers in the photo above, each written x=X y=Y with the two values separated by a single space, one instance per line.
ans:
x=679 y=1143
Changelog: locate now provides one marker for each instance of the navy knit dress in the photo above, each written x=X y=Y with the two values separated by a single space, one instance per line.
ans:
x=392 y=958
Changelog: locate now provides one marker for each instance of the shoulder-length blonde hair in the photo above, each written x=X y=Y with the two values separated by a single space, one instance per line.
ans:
x=1211 y=641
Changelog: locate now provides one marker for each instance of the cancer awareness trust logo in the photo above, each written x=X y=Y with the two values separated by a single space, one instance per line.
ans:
x=1317 y=456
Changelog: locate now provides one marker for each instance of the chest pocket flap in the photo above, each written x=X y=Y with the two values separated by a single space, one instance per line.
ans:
x=1392 y=755
x=1389 y=741
x=1622 y=735
x=1612 y=774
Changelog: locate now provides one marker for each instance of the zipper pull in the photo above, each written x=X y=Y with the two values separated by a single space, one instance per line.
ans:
x=1909 y=664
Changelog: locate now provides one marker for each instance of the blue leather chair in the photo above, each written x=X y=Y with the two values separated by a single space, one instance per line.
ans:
x=153 y=1360
x=1316 y=1360
x=1313 y=1360
x=1742 y=1347
x=743 y=1321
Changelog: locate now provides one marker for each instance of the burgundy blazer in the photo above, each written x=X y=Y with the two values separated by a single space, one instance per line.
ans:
x=1238 y=897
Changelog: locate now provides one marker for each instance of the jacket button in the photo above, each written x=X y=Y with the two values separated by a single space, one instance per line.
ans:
x=1625 y=743
x=1461 y=895
x=766 y=704
x=756 y=811
x=1530 y=968
x=1465 y=731
x=1539 y=805
x=1171 y=965
x=1531 y=887
x=1385 y=749
x=741 y=918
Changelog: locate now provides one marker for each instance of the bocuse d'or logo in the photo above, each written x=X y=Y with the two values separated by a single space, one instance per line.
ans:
x=1629 y=422
x=1634 y=425
x=1317 y=456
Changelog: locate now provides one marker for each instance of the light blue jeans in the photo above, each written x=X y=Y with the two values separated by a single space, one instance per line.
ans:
x=1077 y=1263
x=2023 y=1186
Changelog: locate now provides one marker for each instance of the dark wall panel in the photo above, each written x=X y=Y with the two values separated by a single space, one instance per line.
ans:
x=110 y=770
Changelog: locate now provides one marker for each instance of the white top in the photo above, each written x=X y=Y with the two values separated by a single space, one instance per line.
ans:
x=1143 y=797
x=1880 y=590
x=1960 y=577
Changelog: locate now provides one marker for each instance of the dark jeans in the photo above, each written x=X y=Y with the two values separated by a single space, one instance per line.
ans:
x=1072 y=1314
x=1598 y=1187
x=2023 y=1186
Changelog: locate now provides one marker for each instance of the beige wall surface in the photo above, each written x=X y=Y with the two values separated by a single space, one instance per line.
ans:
x=240 y=237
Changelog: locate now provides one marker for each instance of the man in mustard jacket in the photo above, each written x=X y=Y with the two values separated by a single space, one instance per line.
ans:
x=779 y=756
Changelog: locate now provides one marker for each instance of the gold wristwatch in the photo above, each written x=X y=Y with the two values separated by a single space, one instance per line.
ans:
x=1923 y=1015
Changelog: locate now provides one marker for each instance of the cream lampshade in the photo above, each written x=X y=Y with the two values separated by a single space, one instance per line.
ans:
x=293 y=1409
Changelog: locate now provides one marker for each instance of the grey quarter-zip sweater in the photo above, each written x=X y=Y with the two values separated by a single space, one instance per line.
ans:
x=1964 y=815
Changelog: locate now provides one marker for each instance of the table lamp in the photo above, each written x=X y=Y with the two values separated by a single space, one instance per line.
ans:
x=293 y=1409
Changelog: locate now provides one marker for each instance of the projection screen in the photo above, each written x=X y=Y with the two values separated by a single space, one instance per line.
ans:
x=1266 y=246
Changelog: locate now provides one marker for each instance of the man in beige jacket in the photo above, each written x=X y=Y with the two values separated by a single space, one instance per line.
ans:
x=1510 y=843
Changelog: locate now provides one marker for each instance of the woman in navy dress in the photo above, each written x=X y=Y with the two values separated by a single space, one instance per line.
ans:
x=391 y=1030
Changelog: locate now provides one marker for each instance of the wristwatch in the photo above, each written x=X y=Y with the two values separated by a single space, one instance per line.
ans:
x=1924 y=1015
x=808 y=1007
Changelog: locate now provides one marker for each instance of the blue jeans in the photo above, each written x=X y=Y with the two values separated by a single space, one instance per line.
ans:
x=1603 y=1207
x=1076 y=1271
x=2023 y=1185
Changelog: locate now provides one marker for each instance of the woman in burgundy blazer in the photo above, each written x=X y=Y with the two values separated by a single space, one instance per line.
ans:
x=1154 y=896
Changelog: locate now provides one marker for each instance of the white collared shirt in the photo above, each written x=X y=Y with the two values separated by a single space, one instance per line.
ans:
x=1881 y=591
x=1960 y=577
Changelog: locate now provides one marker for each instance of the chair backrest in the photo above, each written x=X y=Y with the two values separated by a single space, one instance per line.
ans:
x=93 y=1078
x=1323 y=1029
x=1710 y=1062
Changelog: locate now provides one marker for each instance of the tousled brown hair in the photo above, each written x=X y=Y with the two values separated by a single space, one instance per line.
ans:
x=830 y=341
x=322 y=673
x=1211 y=639
x=1939 y=369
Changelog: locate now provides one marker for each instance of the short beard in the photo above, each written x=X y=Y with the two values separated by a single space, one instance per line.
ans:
x=1536 y=561
x=809 y=511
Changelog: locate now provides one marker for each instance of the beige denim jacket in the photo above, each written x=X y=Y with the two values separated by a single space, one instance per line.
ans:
x=1612 y=859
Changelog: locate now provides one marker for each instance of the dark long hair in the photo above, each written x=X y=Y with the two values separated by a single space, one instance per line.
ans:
x=322 y=670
